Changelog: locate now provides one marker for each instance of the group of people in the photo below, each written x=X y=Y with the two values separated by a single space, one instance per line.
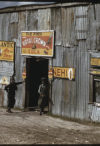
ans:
x=43 y=92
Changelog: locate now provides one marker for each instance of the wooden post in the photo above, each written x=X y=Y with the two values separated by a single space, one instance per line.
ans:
x=14 y=71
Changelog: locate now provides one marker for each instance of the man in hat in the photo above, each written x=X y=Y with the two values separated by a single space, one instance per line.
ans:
x=11 y=88
x=44 y=94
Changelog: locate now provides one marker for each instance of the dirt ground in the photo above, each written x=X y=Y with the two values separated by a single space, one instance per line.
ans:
x=30 y=128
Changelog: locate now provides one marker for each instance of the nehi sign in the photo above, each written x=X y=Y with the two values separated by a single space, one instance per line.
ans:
x=61 y=72
x=67 y=73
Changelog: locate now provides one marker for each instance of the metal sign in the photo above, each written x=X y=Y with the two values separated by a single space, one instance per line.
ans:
x=50 y=73
x=67 y=73
x=24 y=72
x=37 y=43
x=6 y=50
x=95 y=61
x=24 y=75
x=95 y=72
x=61 y=72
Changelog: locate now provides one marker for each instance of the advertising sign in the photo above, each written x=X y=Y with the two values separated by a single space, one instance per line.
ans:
x=61 y=72
x=67 y=73
x=37 y=43
x=50 y=73
x=95 y=72
x=24 y=73
x=95 y=61
x=6 y=50
x=4 y=80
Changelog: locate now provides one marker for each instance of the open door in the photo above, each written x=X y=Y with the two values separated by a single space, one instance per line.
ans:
x=36 y=68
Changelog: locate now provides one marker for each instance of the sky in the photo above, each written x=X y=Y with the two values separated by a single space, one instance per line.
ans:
x=4 y=4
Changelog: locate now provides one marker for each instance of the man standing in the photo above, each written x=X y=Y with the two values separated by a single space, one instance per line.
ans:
x=44 y=94
x=11 y=88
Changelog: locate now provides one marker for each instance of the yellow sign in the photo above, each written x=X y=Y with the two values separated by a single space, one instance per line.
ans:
x=95 y=61
x=24 y=73
x=95 y=72
x=39 y=43
x=50 y=73
x=68 y=73
x=6 y=50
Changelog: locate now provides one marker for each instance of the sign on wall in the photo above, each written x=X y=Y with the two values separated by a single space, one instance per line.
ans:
x=6 y=50
x=24 y=73
x=4 y=80
x=61 y=72
x=95 y=61
x=95 y=72
x=50 y=73
x=37 y=43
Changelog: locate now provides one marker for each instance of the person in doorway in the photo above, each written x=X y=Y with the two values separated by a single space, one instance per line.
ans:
x=44 y=95
x=11 y=88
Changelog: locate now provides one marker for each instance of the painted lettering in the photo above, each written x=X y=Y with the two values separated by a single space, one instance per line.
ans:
x=7 y=44
x=59 y=72
x=55 y=72
x=63 y=73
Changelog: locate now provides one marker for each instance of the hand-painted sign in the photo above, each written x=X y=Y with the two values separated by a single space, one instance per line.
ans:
x=50 y=73
x=61 y=72
x=67 y=73
x=4 y=80
x=37 y=43
x=6 y=50
x=24 y=73
x=95 y=72
x=95 y=61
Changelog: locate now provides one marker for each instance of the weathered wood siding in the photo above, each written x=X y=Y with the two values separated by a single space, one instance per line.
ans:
x=77 y=34
x=71 y=97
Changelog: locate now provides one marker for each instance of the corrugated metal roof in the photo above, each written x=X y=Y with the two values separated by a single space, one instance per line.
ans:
x=16 y=3
x=5 y=4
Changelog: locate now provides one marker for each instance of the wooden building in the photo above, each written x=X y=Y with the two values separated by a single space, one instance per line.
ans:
x=76 y=46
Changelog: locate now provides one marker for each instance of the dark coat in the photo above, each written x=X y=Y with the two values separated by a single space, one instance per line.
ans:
x=44 y=96
x=11 y=88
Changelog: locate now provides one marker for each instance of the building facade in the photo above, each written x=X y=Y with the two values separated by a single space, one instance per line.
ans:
x=76 y=46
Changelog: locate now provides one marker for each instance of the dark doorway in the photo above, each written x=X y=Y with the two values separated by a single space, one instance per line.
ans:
x=36 y=68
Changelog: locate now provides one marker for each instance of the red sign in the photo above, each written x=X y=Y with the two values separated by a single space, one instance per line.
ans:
x=38 y=43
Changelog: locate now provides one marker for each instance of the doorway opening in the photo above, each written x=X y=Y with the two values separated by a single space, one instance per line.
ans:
x=36 y=68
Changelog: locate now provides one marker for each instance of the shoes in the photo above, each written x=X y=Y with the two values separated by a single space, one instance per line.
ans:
x=9 y=111
x=41 y=112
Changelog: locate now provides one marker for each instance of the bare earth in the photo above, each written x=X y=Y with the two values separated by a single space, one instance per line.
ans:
x=30 y=128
